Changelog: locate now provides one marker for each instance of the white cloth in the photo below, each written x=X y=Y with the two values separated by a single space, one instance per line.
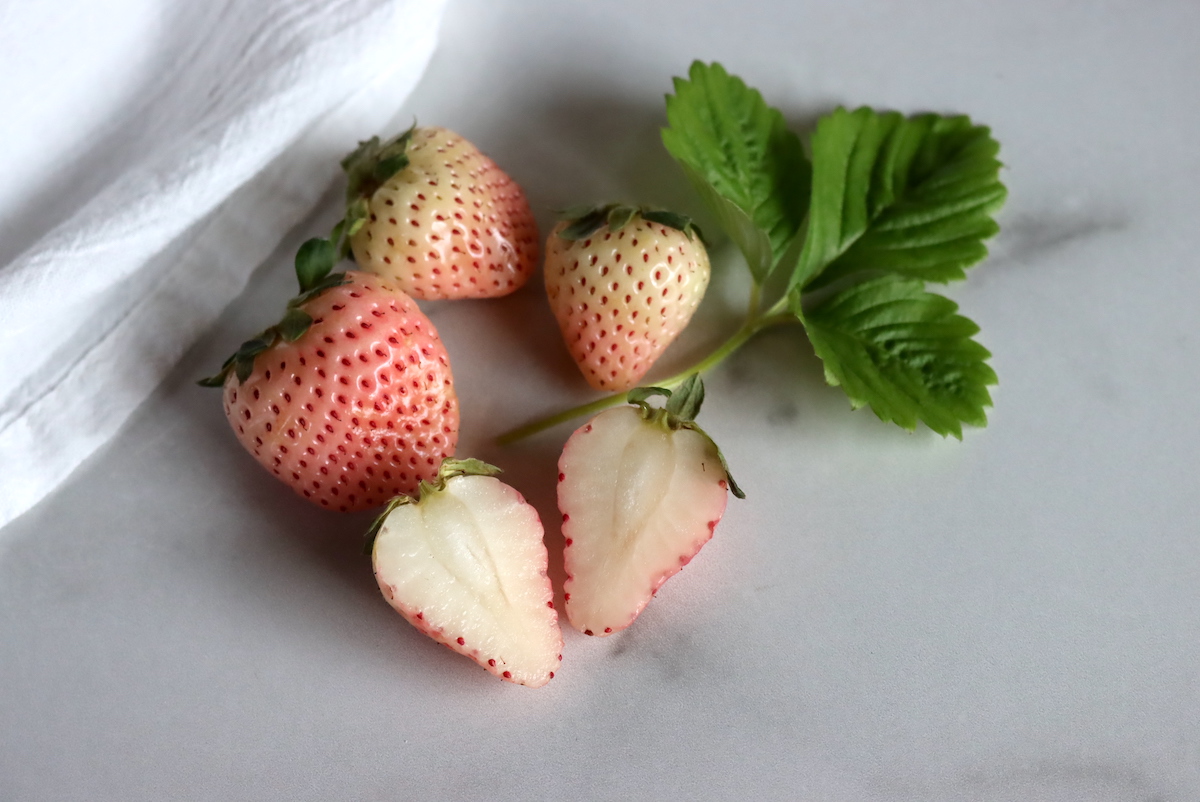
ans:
x=176 y=142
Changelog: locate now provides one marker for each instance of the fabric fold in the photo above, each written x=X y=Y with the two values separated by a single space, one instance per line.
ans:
x=250 y=141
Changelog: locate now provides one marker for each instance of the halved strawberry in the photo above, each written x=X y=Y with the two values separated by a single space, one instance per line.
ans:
x=463 y=561
x=641 y=490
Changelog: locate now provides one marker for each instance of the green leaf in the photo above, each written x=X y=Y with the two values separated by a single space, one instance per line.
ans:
x=912 y=196
x=739 y=154
x=314 y=260
x=904 y=351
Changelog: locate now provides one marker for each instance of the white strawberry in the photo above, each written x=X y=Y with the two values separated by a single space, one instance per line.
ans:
x=431 y=212
x=623 y=283
x=464 y=563
x=641 y=491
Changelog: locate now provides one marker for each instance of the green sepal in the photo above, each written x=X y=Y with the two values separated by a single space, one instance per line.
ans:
x=373 y=162
x=291 y=327
x=357 y=212
x=619 y=217
x=314 y=261
x=675 y=220
x=733 y=485
x=575 y=212
x=679 y=413
x=241 y=363
x=377 y=524
x=327 y=283
x=684 y=403
x=638 y=396
x=369 y=166
x=217 y=379
x=389 y=166
x=295 y=322
x=585 y=225
x=449 y=469
x=583 y=221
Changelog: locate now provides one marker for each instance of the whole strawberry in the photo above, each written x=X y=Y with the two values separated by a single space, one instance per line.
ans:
x=623 y=283
x=434 y=214
x=463 y=561
x=641 y=490
x=349 y=399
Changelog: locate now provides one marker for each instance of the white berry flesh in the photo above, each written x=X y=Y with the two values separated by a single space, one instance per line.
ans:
x=466 y=565
x=638 y=500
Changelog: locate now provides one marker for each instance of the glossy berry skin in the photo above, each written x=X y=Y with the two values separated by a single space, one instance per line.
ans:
x=357 y=410
x=622 y=297
x=449 y=225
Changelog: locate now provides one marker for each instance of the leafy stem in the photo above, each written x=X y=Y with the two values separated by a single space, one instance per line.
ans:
x=888 y=204
x=753 y=325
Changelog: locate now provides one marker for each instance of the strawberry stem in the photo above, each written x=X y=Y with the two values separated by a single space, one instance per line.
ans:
x=739 y=338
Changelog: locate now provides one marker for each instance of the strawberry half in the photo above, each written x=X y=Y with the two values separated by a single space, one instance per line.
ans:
x=349 y=399
x=641 y=490
x=623 y=283
x=434 y=214
x=463 y=561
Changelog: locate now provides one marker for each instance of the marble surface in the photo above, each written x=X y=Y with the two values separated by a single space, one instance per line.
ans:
x=887 y=617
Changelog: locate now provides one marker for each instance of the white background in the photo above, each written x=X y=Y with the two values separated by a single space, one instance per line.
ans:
x=886 y=617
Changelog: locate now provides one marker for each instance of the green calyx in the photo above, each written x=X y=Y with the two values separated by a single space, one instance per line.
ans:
x=368 y=168
x=449 y=469
x=314 y=266
x=583 y=221
x=680 y=411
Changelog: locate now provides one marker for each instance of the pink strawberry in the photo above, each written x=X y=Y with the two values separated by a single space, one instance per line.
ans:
x=641 y=491
x=431 y=212
x=349 y=399
x=623 y=283
x=464 y=563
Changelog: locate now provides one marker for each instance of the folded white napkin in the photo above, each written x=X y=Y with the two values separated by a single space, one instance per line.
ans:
x=225 y=123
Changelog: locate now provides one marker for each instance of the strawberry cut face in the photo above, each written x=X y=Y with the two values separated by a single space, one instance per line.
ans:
x=466 y=565
x=639 y=500
x=359 y=409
